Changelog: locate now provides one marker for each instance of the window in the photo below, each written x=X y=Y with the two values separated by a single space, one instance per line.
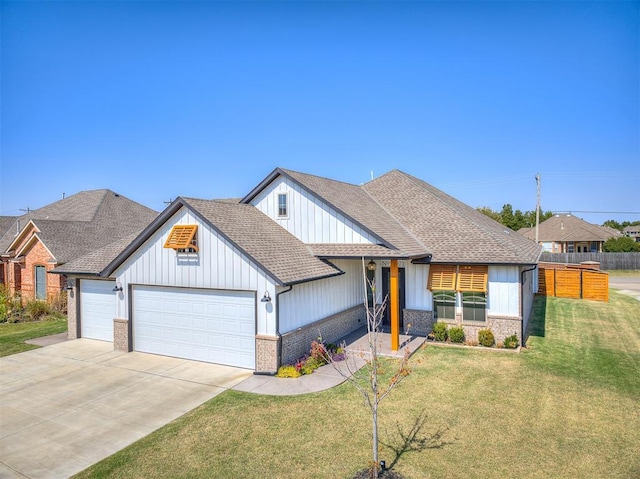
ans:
x=474 y=306
x=570 y=247
x=465 y=283
x=282 y=204
x=41 y=282
x=444 y=305
x=182 y=238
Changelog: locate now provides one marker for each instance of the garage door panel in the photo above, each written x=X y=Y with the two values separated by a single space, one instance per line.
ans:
x=97 y=309
x=205 y=325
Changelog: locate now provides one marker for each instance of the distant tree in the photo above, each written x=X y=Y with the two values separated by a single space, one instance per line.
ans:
x=515 y=220
x=613 y=224
x=620 y=245
x=490 y=213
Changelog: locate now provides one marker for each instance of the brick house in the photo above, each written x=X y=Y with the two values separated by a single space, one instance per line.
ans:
x=33 y=244
x=250 y=283
x=565 y=233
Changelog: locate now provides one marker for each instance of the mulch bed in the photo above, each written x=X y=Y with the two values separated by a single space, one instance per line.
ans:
x=386 y=474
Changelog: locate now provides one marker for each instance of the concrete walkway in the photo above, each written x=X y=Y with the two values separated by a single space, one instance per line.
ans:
x=68 y=405
x=357 y=347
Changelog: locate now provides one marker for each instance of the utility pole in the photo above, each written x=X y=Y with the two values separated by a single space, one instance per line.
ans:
x=537 y=205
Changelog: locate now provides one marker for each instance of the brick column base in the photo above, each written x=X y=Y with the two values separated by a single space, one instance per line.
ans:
x=121 y=338
x=267 y=354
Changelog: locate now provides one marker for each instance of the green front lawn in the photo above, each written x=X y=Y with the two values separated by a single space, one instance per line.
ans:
x=14 y=335
x=566 y=407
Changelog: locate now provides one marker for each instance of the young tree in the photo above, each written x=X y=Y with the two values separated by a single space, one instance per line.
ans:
x=366 y=378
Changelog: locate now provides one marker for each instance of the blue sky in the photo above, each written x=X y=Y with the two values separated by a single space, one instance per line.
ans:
x=203 y=99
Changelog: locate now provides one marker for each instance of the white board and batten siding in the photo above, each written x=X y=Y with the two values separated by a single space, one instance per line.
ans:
x=309 y=219
x=504 y=291
x=309 y=302
x=218 y=265
x=97 y=309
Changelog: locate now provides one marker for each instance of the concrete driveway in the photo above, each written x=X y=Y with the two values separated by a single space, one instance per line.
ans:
x=629 y=285
x=66 y=406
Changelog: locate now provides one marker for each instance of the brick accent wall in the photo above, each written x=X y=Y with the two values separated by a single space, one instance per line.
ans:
x=501 y=328
x=421 y=321
x=297 y=343
x=121 y=340
x=267 y=348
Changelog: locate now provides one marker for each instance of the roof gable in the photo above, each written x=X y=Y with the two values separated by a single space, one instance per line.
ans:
x=357 y=205
x=281 y=255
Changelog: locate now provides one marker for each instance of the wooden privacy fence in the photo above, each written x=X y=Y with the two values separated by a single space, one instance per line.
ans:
x=572 y=281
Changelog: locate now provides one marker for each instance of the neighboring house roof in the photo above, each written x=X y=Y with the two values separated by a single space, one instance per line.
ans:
x=566 y=227
x=80 y=224
x=280 y=254
x=5 y=223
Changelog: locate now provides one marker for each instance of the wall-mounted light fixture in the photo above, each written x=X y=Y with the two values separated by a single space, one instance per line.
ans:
x=118 y=287
x=371 y=265
x=69 y=286
x=266 y=298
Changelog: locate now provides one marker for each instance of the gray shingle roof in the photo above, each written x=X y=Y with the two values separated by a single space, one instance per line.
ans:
x=566 y=227
x=280 y=253
x=357 y=204
x=452 y=231
x=94 y=262
x=83 y=223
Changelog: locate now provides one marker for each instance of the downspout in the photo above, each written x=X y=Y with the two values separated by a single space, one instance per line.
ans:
x=278 y=321
x=522 y=302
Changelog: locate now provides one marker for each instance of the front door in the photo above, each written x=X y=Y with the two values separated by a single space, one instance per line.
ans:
x=386 y=293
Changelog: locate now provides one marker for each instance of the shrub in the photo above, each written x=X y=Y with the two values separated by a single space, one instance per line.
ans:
x=456 y=334
x=440 y=331
x=288 y=372
x=35 y=309
x=319 y=352
x=486 y=338
x=511 y=342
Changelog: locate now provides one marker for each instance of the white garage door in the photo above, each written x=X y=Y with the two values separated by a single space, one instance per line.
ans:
x=202 y=324
x=97 y=309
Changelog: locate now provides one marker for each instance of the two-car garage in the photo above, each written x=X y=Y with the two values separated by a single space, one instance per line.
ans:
x=216 y=326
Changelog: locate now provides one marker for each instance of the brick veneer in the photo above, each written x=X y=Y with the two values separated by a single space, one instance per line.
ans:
x=267 y=348
x=297 y=343
x=421 y=322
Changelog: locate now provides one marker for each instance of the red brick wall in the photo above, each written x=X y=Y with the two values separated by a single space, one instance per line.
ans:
x=38 y=255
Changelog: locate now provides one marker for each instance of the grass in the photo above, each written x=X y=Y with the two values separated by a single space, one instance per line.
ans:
x=623 y=273
x=565 y=407
x=14 y=335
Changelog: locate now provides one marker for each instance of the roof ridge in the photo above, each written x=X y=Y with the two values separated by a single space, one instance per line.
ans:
x=463 y=212
x=384 y=208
